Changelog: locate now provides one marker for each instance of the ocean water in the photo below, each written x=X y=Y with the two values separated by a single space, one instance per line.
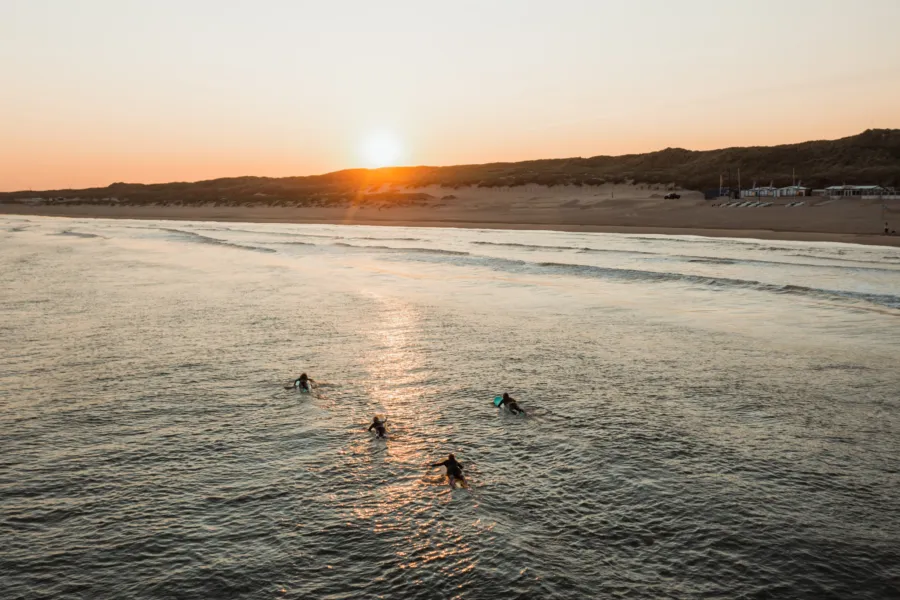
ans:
x=706 y=417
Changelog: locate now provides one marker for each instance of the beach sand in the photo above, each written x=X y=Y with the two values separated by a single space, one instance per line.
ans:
x=607 y=208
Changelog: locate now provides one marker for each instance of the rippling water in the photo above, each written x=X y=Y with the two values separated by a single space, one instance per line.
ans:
x=706 y=417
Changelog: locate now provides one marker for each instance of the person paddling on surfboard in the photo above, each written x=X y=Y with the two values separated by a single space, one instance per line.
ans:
x=378 y=426
x=303 y=383
x=511 y=404
x=454 y=471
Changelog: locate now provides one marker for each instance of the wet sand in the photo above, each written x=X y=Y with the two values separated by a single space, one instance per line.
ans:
x=619 y=209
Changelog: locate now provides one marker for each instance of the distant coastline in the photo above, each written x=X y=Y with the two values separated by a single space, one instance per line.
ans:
x=657 y=192
x=869 y=158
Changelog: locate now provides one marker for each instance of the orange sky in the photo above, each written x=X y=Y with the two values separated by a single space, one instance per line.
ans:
x=101 y=91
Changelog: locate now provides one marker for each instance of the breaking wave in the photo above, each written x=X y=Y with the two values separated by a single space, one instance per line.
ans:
x=711 y=261
x=776 y=263
x=886 y=300
x=575 y=248
x=644 y=276
x=611 y=251
x=701 y=259
x=847 y=260
x=527 y=246
x=191 y=236
x=388 y=239
x=77 y=234
x=404 y=250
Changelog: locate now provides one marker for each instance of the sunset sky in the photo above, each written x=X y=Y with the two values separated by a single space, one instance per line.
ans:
x=97 y=91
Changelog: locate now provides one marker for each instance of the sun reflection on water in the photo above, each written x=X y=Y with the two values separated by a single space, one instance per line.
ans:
x=400 y=502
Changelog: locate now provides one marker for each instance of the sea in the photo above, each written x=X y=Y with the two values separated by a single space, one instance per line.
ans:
x=705 y=418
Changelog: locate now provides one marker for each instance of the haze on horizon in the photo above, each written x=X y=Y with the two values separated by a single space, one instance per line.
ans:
x=99 y=91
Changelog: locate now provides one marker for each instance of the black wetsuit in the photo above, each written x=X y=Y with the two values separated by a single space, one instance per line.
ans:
x=511 y=405
x=303 y=384
x=380 y=431
x=454 y=469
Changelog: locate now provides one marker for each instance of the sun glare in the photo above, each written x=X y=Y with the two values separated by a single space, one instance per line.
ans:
x=382 y=149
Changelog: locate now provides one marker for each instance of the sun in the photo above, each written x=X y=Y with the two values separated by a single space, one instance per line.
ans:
x=382 y=149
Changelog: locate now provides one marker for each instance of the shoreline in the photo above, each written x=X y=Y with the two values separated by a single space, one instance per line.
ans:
x=233 y=214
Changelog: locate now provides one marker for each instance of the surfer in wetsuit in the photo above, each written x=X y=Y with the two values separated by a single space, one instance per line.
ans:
x=378 y=426
x=454 y=471
x=303 y=383
x=511 y=404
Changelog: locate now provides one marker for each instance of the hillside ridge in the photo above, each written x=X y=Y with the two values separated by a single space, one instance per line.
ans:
x=871 y=157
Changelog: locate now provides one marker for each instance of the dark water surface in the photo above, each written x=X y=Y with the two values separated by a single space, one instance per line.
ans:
x=707 y=418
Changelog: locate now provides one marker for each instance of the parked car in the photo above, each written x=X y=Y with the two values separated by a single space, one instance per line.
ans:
x=672 y=196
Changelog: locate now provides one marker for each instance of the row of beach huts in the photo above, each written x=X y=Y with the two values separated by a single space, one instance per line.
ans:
x=834 y=191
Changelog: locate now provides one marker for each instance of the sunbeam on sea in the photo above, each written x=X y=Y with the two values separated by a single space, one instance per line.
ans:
x=705 y=417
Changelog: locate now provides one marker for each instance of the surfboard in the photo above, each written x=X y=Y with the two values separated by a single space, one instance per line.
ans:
x=458 y=483
x=498 y=400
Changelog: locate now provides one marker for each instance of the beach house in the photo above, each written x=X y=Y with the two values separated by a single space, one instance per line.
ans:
x=760 y=192
x=793 y=191
x=856 y=191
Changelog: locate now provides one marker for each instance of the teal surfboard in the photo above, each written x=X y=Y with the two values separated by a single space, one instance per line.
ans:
x=498 y=400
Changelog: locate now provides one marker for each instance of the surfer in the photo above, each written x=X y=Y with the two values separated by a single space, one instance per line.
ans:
x=511 y=404
x=454 y=471
x=303 y=383
x=378 y=426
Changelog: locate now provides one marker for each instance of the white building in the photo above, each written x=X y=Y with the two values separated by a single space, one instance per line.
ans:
x=760 y=192
x=857 y=191
x=793 y=191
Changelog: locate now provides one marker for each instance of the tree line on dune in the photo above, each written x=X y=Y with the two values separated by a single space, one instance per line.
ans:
x=872 y=157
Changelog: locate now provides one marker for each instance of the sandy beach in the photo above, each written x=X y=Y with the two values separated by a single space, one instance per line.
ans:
x=608 y=208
